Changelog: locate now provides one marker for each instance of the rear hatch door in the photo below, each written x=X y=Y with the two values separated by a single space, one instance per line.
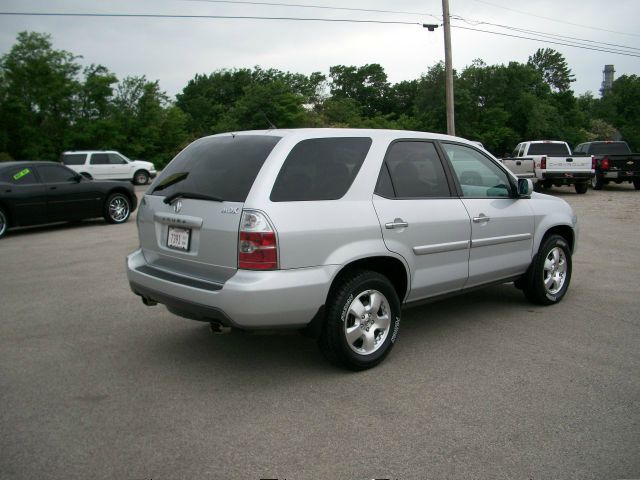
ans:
x=188 y=222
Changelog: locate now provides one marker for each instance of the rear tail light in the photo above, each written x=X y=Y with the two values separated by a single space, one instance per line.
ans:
x=593 y=163
x=604 y=164
x=543 y=163
x=257 y=242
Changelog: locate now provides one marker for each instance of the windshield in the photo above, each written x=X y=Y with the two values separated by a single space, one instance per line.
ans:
x=551 y=149
x=223 y=167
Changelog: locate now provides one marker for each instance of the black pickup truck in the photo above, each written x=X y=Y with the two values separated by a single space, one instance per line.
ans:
x=612 y=161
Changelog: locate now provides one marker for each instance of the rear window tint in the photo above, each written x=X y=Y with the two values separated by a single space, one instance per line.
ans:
x=552 y=149
x=74 y=158
x=320 y=169
x=617 y=148
x=223 y=167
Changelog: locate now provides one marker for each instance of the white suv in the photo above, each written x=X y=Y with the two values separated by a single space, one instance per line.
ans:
x=109 y=165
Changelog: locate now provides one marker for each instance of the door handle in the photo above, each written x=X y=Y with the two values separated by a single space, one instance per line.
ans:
x=397 y=223
x=52 y=188
x=481 y=218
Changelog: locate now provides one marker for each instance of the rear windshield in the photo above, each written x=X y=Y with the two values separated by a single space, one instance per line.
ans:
x=614 y=148
x=74 y=158
x=551 y=149
x=223 y=167
x=320 y=169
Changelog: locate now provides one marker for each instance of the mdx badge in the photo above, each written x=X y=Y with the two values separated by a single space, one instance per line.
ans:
x=231 y=211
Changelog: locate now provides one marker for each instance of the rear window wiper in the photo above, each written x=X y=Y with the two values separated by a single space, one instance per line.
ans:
x=170 y=180
x=196 y=196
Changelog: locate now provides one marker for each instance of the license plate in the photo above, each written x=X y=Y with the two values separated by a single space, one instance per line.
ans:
x=179 y=238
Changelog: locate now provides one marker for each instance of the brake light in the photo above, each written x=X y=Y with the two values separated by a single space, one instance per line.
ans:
x=593 y=163
x=257 y=242
x=543 y=163
x=604 y=164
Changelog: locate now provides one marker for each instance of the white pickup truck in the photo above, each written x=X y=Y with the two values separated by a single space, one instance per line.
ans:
x=549 y=162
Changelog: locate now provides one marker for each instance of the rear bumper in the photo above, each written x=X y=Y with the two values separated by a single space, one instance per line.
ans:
x=248 y=300
x=620 y=175
x=567 y=177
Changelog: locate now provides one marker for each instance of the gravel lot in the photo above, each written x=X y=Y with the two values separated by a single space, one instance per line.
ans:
x=95 y=385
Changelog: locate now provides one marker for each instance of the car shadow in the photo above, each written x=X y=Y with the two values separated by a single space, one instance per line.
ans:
x=57 y=226
x=244 y=354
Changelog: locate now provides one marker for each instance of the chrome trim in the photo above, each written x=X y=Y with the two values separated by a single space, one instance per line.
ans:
x=485 y=242
x=441 y=247
x=179 y=220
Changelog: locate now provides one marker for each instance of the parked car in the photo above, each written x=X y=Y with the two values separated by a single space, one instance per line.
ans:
x=334 y=230
x=549 y=162
x=33 y=193
x=109 y=165
x=613 y=162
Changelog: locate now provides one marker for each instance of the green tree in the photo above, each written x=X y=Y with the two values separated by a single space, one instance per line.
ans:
x=554 y=69
x=39 y=88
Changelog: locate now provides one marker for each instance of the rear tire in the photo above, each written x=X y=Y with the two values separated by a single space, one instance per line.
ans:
x=117 y=208
x=4 y=223
x=596 y=182
x=636 y=183
x=580 y=187
x=362 y=321
x=141 y=178
x=547 y=279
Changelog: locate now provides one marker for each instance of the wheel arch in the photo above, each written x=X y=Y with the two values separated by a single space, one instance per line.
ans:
x=122 y=190
x=565 y=231
x=391 y=267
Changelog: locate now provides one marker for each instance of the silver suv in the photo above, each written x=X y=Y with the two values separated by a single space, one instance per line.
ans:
x=333 y=230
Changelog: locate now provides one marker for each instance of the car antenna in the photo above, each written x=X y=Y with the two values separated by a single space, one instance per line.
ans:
x=271 y=125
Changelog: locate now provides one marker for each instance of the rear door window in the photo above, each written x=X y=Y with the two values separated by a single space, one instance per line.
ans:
x=224 y=167
x=320 y=169
x=74 y=158
x=19 y=176
x=412 y=169
x=99 y=159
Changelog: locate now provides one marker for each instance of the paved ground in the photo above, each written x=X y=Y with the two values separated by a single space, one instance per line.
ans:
x=95 y=385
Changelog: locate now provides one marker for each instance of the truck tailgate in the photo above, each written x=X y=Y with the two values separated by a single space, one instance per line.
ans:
x=569 y=163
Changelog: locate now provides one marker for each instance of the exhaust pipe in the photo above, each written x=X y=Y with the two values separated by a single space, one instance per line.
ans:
x=148 y=302
x=218 y=329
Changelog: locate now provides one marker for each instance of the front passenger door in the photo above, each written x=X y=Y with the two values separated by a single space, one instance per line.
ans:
x=502 y=224
x=68 y=196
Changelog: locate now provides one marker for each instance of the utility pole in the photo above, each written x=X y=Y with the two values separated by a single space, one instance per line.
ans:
x=448 y=67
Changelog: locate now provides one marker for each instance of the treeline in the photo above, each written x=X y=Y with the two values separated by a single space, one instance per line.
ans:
x=49 y=103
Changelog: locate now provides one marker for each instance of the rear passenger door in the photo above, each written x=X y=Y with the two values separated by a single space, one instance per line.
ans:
x=24 y=194
x=421 y=219
x=502 y=224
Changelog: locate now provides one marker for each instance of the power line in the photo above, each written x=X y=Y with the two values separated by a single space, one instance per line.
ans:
x=228 y=17
x=322 y=7
x=556 y=20
x=627 y=54
x=536 y=32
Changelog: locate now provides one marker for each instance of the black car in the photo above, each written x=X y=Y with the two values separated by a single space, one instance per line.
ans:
x=33 y=193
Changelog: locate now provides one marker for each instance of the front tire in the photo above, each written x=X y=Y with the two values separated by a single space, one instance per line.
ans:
x=547 y=279
x=117 y=208
x=580 y=187
x=4 y=223
x=362 y=321
x=636 y=183
x=141 y=178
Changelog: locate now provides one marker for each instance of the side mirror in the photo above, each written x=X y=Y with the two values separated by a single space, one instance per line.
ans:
x=525 y=187
x=77 y=178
